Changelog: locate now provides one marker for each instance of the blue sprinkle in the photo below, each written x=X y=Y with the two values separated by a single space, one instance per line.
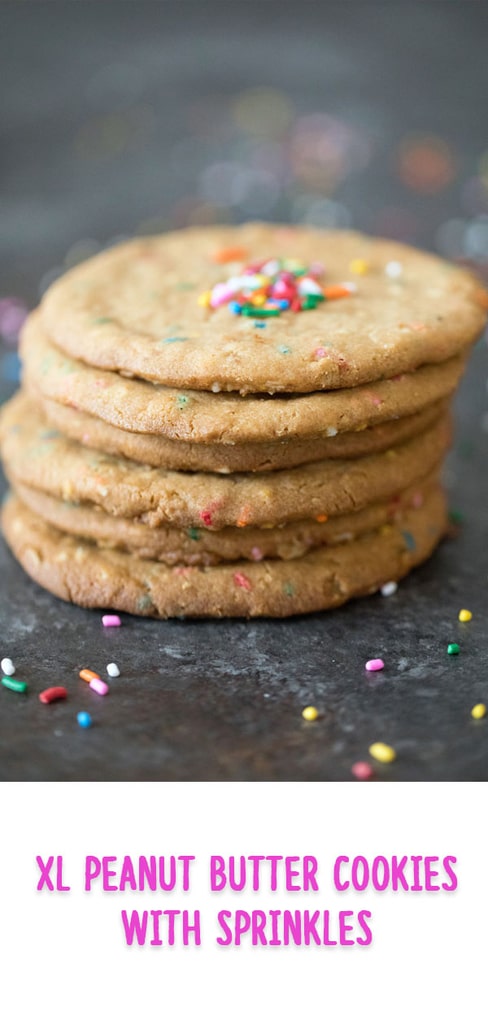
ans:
x=259 y=323
x=84 y=719
x=170 y=341
x=285 y=351
x=235 y=307
x=283 y=303
x=409 y=540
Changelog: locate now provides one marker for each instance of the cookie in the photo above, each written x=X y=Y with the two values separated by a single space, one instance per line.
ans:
x=82 y=573
x=151 y=307
x=210 y=547
x=156 y=450
x=196 y=416
x=49 y=462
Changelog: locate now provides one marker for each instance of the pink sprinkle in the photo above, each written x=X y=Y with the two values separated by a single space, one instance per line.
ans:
x=111 y=620
x=418 y=500
x=257 y=554
x=362 y=770
x=182 y=570
x=320 y=353
x=375 y=400
x=101 y=383
x=374 y=665
x=206 y=517
x=241 y=580
x=99 y=686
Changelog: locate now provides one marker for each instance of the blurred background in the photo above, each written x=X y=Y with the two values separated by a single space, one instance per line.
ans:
x=134 y=117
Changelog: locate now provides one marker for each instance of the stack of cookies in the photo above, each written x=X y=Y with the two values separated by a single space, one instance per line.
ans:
x=236 y=421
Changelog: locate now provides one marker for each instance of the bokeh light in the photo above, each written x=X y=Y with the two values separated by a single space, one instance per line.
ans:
x=426 y=163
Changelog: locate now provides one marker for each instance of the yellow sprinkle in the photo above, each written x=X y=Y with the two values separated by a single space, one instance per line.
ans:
x=204 y=299
x=479 y=711
x=464 y=615
x=382 y=752
x=359 y=267
x=310 y=714
x=258 y=300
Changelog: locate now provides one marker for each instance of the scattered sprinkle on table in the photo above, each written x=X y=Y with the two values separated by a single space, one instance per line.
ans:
x=99 y=686
x=7 y=666
x=53 y=693
x=310 y=714
x=479 y=711
x=382 y=752
x=113 y=670
x=453 y=648
x=389 y=588
x=84 y=719
x=87 y=675
x=465 y=615
x=111 y=620
x=374 y=665
x=14 y=684
x=362 y=770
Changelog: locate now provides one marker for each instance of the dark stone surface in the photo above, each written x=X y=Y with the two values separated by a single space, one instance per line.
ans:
x=203 y=701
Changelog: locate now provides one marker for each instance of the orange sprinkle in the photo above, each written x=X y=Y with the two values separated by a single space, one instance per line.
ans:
x=336 y=291
x=229 y=255
x=417 y=327
x=243 y=518
x=321 y=519
x=88 y=675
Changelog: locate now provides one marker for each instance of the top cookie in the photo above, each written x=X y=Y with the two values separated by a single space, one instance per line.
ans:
x=151 y=308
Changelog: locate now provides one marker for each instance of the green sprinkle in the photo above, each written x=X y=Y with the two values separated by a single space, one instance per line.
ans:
x=456 y=517
x=285 y=351
x=182 y=401
x=310 y=301
x=103 y=320
x=453 y=648
x=288 y=589
x=193 y=533
x=255 y=311
x=14 y=684
x=185 y=286
x=144 y=603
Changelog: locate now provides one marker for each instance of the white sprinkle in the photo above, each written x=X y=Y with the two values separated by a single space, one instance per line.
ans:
x=331 y=432
x=113 y=670
x=394 y=269
x=7 y=666
x=389 y=588
x=215 y=387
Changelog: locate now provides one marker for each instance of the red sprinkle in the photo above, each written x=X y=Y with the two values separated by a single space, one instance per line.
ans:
x=206 y=517
x=362 y=771
x=53 y=693
x=241 y=580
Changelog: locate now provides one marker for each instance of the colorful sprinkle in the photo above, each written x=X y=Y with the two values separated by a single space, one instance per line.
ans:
x=374 y=665
x=409 y=540
x=84 y=719
x=389 y=588
x=243 y=581
x=465 y=615
x=257 y=323
x=479 y=711
x=382 y=752
x=206 y=517
x=113 y=670
x=193 y=533
x=321 y=519
x=111 y=620
x=453 y=648
x=362 y=770
x=52 y=694
x=288 y=589
x=285 y=351
x=87 y=675
x=359 y=267
x=394 y=269
x=99 y=686
x=182 y=401
x=171 y=341
x=232 y=254
x=7 y=666
x=310 y=714
x=14 y=684
x=273 y=286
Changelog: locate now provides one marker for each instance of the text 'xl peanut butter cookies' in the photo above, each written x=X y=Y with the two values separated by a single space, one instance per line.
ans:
x=43 y=459
x=263 y=308
x=199 y=416
x=84 y=574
